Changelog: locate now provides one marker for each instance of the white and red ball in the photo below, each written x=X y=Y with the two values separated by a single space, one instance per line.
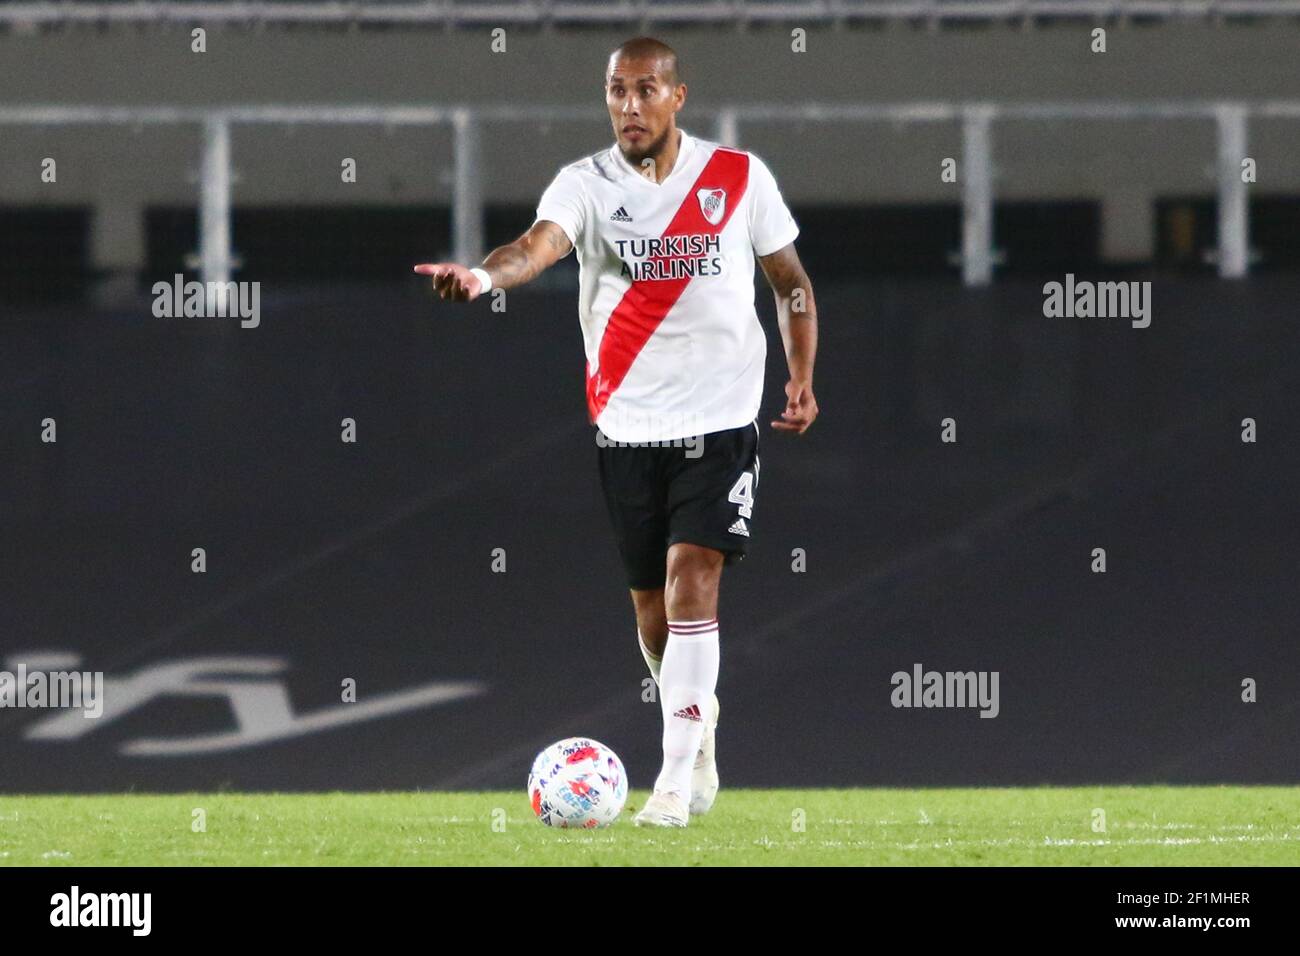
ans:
x=578 y=782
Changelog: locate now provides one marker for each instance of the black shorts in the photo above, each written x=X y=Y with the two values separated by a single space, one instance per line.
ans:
x=700 y=491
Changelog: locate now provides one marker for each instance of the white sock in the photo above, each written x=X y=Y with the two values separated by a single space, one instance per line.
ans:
x=688 y=677
x=652 y=662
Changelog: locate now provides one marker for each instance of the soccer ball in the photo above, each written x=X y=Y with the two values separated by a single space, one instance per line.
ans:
x=578 y=782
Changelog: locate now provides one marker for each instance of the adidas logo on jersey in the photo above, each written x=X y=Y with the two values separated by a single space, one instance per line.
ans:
x=620 y=215
x=740 y=527
x=690 y=713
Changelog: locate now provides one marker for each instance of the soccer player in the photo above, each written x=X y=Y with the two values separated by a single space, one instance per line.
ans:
x=666 y=228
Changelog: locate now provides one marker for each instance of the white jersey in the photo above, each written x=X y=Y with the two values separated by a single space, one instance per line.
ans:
x=666 y=291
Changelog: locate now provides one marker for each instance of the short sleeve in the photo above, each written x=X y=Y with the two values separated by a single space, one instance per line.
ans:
x=563 y=203
x=771 y=226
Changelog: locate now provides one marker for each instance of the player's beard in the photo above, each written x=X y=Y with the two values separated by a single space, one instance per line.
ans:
x=653 y=151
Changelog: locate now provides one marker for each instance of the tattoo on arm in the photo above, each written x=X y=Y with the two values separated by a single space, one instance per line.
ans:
x=783 y=270
x=528 y=256
x=785 y=274
x=508 y=266
x=794 y=300
x=558 y=240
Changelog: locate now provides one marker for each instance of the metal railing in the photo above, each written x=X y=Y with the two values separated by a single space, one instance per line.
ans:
x=978 y=127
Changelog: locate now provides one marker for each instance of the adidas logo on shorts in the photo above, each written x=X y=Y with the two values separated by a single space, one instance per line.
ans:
x=740 y=527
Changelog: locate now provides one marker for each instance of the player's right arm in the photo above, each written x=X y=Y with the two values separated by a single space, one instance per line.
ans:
x=508 y=266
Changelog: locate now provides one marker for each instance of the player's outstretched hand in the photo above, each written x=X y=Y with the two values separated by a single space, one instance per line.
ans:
x=452 y=282
x=800 y=409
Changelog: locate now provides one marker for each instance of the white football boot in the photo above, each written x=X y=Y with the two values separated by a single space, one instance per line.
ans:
x=663 y=810
x=704 y=778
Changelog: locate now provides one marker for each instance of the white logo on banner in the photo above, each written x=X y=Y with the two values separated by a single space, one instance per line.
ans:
x=258 y=700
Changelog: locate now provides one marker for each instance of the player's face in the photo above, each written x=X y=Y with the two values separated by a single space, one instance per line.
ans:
x=641 y=107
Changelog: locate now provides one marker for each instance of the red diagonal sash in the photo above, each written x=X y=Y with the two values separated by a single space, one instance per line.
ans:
x=647 y=301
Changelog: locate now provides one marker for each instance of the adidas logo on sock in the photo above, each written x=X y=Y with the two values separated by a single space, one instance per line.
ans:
x=620 y=215
x=690 y=713
x=740 y=527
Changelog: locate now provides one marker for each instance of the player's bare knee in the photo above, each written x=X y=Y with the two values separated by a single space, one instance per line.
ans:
x=693 y=559
x=692 y=589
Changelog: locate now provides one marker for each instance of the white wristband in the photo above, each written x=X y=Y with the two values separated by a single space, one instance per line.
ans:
x=483 y=278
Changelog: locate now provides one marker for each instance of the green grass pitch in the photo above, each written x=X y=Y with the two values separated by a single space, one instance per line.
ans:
x=1034 y=826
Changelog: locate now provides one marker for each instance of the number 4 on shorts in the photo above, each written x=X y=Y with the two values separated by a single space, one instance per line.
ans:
x=742 y=493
